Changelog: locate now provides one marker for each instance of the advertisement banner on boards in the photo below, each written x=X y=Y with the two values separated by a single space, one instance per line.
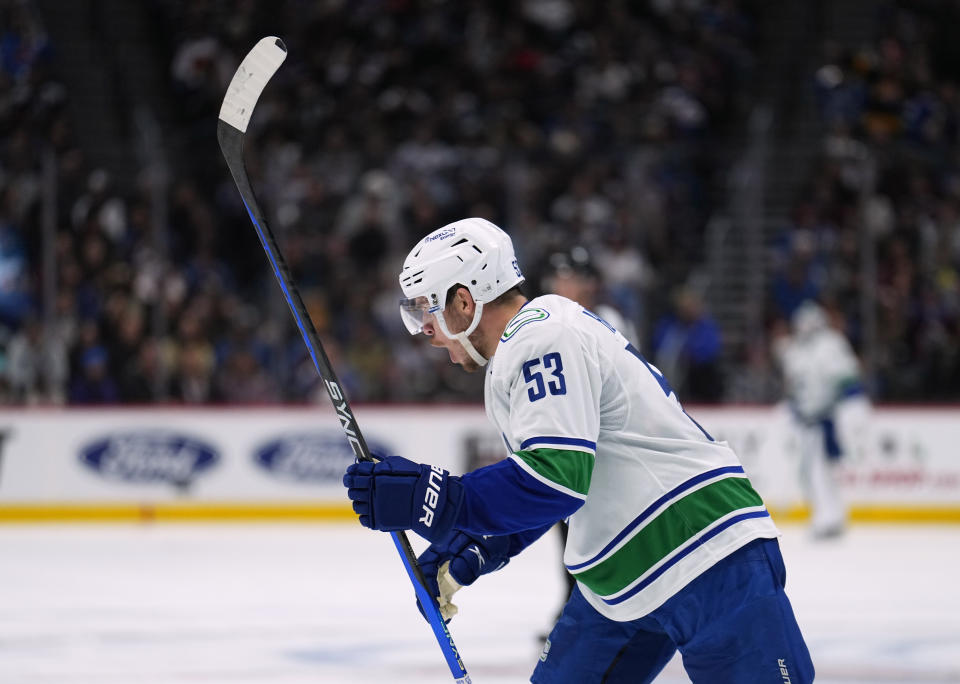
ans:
x=900 y=457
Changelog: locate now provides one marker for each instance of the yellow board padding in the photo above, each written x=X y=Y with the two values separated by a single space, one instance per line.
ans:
x=335 y=512
x=876 y=514
x=884 y=514
x=174 y=512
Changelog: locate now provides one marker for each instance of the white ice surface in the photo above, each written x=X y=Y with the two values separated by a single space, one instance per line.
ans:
x=299 y=604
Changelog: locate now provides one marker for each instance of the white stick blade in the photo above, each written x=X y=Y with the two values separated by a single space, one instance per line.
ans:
x=260 y=64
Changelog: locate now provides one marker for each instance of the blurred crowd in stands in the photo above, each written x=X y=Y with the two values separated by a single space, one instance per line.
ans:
x=565 y=121
x=887 y=185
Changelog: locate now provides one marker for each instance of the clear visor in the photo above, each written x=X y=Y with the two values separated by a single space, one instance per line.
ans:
x=415 y=312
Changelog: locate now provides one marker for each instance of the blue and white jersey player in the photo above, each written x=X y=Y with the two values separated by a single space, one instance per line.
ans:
x=671 y=547
x=829 y=408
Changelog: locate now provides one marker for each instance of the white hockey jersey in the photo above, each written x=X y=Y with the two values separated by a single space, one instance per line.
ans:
x=582 y=411
x=820 y=369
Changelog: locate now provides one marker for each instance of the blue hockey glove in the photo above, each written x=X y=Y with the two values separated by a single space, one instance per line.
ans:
x=457 y=561
x=398 y=494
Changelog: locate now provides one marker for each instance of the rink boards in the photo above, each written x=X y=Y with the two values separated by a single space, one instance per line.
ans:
x=286 y=463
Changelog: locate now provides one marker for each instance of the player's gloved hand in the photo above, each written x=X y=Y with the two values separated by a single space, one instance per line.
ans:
x=398 y=494
x=457 y=561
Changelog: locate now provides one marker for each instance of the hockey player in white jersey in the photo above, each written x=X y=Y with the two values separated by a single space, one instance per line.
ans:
x=830 y=409
x=669 y=543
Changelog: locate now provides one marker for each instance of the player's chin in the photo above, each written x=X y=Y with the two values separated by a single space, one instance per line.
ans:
x=463 y=360
x=466 y=363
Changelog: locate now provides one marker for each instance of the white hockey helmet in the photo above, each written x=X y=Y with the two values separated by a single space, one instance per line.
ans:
x=471 y=252
x=808 y=319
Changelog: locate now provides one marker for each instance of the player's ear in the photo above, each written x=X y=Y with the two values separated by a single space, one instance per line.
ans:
x=463 y=302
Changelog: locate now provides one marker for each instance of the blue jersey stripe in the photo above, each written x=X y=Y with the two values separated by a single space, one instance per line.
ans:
x=569 y=441
x=688 y=549
x=640 y=519
x=854 y=389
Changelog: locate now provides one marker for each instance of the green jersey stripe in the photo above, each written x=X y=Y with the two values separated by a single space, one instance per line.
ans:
x=676 y=524
x=566 y=467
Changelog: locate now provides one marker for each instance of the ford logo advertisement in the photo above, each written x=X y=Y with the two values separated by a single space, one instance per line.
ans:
x=149 y=456
x=309 y=456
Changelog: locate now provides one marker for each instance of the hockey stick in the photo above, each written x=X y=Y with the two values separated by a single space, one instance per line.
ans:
x=248 y=82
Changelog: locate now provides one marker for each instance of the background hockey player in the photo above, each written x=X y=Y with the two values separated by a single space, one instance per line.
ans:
x=574 y=275
x=669 y=543
x=830 y=409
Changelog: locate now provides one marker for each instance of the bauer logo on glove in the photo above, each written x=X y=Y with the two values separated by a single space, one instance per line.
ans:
x=432 y=495
x=398 y=494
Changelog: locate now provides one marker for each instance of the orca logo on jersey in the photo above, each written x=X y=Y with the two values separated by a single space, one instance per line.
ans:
x=432 y=495
x=346 y=420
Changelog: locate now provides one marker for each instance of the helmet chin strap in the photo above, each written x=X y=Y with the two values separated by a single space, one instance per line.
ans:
x=462 y=337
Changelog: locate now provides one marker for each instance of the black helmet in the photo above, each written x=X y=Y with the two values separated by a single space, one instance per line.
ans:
x=577 y=260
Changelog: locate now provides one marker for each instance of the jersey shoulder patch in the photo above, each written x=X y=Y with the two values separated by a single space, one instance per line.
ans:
x=524 y=317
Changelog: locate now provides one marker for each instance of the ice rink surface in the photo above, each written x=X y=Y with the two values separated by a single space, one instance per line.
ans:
x=302 y=604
